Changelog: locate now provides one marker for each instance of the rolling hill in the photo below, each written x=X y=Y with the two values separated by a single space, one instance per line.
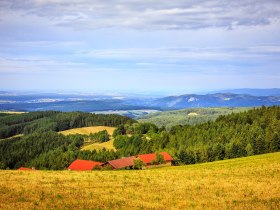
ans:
x=253 y=132
x=252 y=91
x=215 y=100
x=242 y=183
x=137 y=106
x=190 y=116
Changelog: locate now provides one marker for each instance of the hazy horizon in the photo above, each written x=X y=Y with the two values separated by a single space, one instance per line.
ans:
x=141 y=46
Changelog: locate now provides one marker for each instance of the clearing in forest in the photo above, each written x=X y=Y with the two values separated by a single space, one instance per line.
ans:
x=88 y=130
x=93 y=129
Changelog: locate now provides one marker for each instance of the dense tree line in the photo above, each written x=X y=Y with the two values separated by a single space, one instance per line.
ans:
x=136 y=128
x=28 y=123
x=17 y=152
x=101 y=136
x=48 y=150
x=253 y=132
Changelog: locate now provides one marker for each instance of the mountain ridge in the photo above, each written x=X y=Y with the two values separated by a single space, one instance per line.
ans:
x=215 y=100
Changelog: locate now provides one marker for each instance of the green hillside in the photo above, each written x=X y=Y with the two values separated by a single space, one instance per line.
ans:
x=256 y=131
x=28 y=123
x=191 y=116
x=242 y=183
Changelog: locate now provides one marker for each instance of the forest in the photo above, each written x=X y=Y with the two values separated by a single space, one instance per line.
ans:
x=29 y=123
x=252 y=132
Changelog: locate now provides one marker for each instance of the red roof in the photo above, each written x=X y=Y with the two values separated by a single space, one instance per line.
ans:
x=123 y=162
x=83 y=165
x=25 y=169
x=148 y=158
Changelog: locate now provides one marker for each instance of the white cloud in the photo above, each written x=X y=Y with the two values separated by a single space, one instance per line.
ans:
x=149 y=14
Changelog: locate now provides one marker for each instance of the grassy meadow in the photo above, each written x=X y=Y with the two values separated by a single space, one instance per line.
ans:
x=88 y=130
x=98 y=146
x=243 y=183
x=93 y=129
x=11 y=112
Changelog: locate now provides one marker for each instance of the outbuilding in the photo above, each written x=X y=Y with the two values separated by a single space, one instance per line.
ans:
x=126 y=162
x=149 y=158
x=84 y=165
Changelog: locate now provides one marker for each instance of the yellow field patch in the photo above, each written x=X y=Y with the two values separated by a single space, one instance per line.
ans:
x=88 y=130
x=12 y=112
x=192 y=114
x=93 y=129
x=18 y=135
x=243 y=183
x=99 y=146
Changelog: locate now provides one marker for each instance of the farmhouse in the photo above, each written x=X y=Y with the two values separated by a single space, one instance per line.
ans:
x=120 y=163
x=83 y=165
x=128 y=162
x=149 y=158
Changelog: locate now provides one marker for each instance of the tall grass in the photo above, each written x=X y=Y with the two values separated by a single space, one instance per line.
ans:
x=243 y=183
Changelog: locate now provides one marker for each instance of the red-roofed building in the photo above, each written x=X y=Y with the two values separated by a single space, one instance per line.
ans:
x=25 y=169
x=149 y=158
x=120 y=163
x=83 y=165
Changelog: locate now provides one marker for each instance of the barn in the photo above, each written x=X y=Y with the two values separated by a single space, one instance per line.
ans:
x=83 y=165
x=126 y=162
x=149 y=158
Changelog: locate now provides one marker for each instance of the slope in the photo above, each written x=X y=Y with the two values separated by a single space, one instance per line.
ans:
x=243 y=183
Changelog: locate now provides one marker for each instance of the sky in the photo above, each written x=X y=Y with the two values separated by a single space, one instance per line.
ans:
x=177 y=46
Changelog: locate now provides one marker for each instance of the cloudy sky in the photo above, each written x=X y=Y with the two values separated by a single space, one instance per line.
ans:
x=139 y=45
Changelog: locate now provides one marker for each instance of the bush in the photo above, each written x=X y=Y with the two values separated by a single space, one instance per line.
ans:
x=138 y=164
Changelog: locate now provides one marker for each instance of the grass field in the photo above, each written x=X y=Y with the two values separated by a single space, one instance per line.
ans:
x=243 y=183
x=99 y=146
x=88 y=130
x=93 y=129
x=11 y=112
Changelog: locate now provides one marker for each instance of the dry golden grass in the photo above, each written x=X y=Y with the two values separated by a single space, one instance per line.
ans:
x=244 y=183
x=99 y=146
x=93 y=129
x=18 y=135
x=192 y=114
x=12 y=112
x=88 y=130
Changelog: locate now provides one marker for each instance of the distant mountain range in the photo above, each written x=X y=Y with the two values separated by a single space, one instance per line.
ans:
x=214 y=100
x=20 y=101
x=250 y=91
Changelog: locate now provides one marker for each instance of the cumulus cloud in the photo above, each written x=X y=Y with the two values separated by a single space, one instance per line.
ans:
x=149 y=14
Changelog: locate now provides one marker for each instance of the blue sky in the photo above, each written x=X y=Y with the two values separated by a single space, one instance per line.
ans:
x=139 y=45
